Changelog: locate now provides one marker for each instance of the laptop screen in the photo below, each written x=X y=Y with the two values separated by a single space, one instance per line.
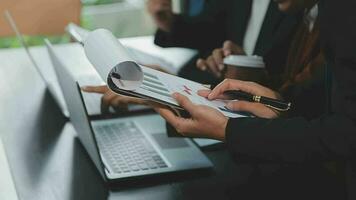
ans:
x=77 y=110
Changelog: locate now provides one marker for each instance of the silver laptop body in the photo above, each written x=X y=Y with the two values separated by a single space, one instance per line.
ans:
x=53 y=88
x=127 y=147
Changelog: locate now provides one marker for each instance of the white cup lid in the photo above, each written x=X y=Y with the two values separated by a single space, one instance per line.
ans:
x=245 y=61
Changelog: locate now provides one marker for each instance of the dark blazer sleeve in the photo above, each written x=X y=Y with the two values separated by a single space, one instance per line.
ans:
x=291 y=140
x=330 y=137
x=205 y=31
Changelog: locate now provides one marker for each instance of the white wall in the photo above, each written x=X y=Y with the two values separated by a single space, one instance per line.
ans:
x=126 y=19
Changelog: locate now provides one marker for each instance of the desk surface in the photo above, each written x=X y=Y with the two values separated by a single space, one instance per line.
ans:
x=7 y=186
x=48 y=162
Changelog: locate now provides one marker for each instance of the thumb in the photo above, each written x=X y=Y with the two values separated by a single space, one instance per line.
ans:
x=244 y=106
x=184 y=102
x=227 y=48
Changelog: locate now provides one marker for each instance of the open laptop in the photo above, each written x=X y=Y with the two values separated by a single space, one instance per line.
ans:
x=124 y=148
x=50 y=82
x=92 y=101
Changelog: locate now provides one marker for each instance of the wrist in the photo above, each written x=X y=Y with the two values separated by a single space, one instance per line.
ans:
x=222 y=130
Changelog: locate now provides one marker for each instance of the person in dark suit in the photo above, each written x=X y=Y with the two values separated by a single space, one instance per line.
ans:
x=220 y=20
x=255 y=26
x=304 y=67
x=305 y=143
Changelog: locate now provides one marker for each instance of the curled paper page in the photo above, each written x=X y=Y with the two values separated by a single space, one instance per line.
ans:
x=111 y=60
x=124 y=76
x=127 y=75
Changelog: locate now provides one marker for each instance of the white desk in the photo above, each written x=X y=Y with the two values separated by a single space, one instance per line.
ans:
x=7 y=186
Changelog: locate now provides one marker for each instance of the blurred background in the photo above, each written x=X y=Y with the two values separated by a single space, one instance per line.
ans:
x=125 y=18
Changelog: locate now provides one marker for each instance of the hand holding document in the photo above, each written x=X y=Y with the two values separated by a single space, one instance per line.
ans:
x=125 y=77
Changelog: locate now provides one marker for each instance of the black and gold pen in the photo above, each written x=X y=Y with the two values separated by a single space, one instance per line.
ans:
x=269 y=102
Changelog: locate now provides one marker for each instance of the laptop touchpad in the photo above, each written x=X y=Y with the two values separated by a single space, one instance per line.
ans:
x=169 y=143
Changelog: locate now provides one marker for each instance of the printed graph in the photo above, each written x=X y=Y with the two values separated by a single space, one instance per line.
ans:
x=153 y=84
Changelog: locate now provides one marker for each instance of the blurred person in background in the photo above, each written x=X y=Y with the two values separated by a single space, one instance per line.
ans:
x=304 y=67
x=255 y=26
x=303 y=145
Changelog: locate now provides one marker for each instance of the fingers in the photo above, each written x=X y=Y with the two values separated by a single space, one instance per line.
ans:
x=230 y=47
x=213 y=66
x=221 y=88
x=218 y=57
x=180 y=124
x=227 y=48
x=229 y=84
x=96 y=89
x=184 y=102
x=119 y=107
x=256 y=109
x=208 y=64
x=201 y=64
x=243 y=106
x=168 y=115
x=106 y=101
x=214 y=63
x=206 y=93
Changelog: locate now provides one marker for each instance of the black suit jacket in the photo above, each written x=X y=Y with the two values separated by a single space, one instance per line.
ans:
x=226 y=20
x=332 y=136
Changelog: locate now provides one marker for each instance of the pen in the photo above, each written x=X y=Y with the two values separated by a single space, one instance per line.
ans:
x=272 y=103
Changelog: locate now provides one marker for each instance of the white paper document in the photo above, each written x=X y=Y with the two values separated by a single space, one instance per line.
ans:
x=144 y=51
x=125 y=76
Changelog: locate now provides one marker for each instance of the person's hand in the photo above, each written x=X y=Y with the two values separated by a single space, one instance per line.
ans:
x=205 y=122
x=214 y=63
x=110 y=99
x=161 y=11
x=258 y=109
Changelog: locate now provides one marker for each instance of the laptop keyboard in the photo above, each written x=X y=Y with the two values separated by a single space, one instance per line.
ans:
x=126 y=149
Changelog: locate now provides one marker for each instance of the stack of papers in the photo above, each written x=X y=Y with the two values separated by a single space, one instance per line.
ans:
x=159 y=87
x=124 y=76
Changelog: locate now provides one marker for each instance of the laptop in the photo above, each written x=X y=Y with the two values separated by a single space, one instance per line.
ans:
x=129 y=147
x=50 y=82
x=92 y=101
